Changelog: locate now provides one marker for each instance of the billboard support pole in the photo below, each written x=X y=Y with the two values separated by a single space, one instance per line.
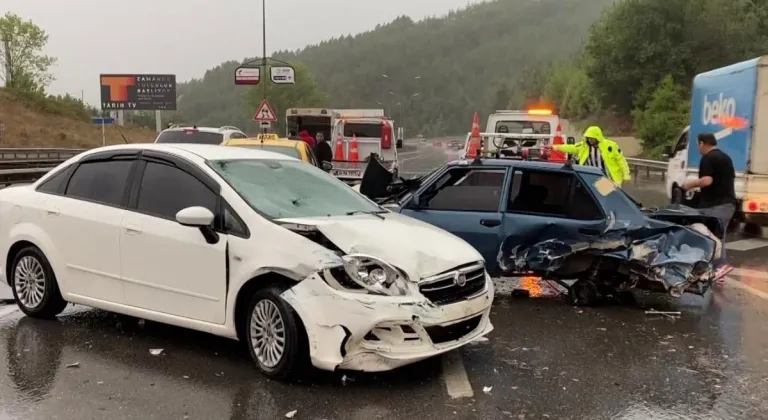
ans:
x=103 y=134
x=158 y=123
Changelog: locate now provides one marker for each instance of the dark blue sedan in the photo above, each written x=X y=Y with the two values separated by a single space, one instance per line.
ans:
x=560 y=222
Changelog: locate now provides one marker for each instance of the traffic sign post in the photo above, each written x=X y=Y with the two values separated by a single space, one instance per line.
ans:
x=265 y=115
x=103 y=121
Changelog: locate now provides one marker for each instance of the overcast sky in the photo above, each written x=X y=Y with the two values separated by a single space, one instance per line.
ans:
x=187 y=37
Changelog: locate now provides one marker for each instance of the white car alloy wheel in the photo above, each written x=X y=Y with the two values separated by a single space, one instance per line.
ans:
x=267 y=333
x=34 y=284
x=29 y=280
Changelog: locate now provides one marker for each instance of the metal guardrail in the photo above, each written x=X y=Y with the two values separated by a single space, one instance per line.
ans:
x=24 y=165
x=37 y=154
x=655 y=170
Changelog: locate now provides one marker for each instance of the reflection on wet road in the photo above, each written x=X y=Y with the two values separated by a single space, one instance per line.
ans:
x=545 y=360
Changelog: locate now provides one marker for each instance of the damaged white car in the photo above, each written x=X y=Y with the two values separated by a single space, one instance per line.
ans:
x=244 y=244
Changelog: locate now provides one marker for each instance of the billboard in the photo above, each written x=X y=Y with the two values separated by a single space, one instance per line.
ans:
x=138 y=92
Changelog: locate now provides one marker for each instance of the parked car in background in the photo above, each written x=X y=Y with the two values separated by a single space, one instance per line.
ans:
x=246 y=244
x=199 y=135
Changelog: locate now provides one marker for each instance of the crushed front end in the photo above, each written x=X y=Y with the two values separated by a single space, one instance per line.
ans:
x=654 y=254
x=363 y=322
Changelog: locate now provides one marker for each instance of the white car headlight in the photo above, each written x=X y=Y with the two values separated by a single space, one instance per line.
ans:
x=375 y=275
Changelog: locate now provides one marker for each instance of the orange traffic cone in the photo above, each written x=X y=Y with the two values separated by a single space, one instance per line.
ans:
x=473 y=148
x=354 y=154
x=339 y=154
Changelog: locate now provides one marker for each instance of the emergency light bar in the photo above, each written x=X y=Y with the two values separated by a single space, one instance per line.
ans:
x=532 y=111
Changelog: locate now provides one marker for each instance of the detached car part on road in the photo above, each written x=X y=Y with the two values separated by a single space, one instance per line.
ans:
x=244 y=244
x=559 y=222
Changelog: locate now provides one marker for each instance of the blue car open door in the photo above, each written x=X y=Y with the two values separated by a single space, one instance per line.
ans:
x=465 y=201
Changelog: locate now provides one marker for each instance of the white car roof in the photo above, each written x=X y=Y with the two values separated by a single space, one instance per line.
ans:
x=198 y=153
x=205 y=129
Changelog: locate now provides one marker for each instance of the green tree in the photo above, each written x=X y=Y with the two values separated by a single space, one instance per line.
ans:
x=454 y=62
x=304 y=93
x=663 y=118
x=636 y=43
x=24 y=65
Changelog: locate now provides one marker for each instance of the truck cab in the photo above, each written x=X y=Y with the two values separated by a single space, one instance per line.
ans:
x=677 y=169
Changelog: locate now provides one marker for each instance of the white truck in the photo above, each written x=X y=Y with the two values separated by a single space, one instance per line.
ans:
x=370 y=128
x=720 y=97
x=528 y=129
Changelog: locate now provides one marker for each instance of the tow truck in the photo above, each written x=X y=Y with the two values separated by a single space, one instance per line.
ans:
x=531 y=129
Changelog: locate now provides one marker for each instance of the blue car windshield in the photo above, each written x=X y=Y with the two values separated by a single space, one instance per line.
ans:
x=611 y=197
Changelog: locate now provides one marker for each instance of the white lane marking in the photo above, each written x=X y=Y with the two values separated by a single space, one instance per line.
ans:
x=409 y=158
x=415 y=152
x=739 y=285
x=745 y=272
x=7 y=310
x=455 y=376
x=746 y=244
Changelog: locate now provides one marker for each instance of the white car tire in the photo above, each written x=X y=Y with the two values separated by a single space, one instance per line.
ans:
x=275 y=336
x=34 y=285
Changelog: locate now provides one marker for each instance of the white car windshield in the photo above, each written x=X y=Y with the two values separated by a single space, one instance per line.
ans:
x=291 y=188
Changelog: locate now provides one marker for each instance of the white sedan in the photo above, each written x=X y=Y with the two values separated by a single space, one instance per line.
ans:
x=245 y=244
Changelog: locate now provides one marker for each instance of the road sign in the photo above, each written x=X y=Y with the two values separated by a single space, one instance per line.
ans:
x=265 y=113
x=282 y=75
x=247 y=76
x=102 y=120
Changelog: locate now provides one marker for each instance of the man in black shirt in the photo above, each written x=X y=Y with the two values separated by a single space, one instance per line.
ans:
x=323 y=150
x=717 y=197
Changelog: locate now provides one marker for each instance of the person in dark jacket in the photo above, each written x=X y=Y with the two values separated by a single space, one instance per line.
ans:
x=304 y=134
x=322 y=150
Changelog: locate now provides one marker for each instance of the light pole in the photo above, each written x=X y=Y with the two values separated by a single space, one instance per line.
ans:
x=264 y=42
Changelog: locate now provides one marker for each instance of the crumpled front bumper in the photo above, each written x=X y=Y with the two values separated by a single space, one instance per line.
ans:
x=360 y=331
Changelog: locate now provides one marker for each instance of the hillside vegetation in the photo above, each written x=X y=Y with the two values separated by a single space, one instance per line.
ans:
x=36 y=120
x=457 y=64
x=635 y=70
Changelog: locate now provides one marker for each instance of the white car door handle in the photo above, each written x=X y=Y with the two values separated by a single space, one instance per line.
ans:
x=132 y=229
x=52 y=211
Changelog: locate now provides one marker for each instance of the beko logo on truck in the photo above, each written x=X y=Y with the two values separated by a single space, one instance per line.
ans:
x=720 y=107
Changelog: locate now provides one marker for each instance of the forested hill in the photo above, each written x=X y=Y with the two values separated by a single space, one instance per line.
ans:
x=459 y=63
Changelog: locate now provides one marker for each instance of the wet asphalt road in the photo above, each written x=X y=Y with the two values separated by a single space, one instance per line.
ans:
x=545 y=360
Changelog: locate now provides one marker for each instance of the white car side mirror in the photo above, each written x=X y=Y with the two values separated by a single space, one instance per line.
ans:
x=195 y=216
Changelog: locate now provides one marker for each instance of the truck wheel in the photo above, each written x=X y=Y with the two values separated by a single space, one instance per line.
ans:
x=678 y=196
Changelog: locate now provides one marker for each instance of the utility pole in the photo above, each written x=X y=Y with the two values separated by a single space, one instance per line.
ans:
x=264 y=43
